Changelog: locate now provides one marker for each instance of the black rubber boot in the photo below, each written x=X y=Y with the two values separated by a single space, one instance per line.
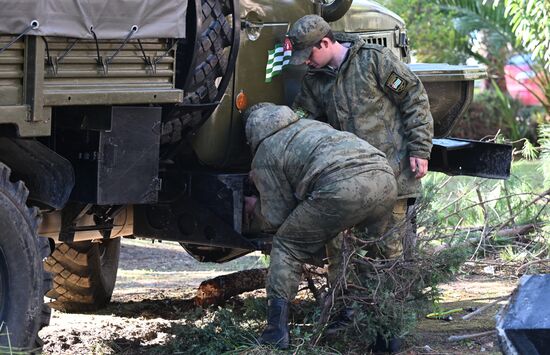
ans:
x=276 y=333
x=392 y=345
x=341 y=321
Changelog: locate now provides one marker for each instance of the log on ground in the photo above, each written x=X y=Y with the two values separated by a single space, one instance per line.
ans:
x=219 y=289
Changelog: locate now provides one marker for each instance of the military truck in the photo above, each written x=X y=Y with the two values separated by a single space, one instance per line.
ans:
x=121 y=119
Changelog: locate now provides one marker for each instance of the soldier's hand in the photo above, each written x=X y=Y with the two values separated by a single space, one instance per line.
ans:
x=249 y=205
x=419 y=166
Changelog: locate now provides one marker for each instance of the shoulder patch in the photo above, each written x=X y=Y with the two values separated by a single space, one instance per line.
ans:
x=300 y=112
x=396 y=83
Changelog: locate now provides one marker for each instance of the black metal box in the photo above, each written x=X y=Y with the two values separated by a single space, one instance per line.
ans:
x=523 y=326
x=114 y=152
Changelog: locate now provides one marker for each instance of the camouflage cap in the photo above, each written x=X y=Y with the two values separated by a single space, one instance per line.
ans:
x=246 y=114
x=266 y=121
x=304 y=35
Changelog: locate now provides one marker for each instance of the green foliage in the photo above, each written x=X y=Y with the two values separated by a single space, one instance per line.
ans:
x=493 y=111
x=488 y=30
x=544 y=141
x=264 y=260
x=501 y=28
x=529 y=151
x=484 y=22
x=509 y=119
x=530 y=21
x=388 y=296
x=217 y=331
x=458 y=218
x=235 y=328
x=431 y=37
x=481 y=15
x=477 y=211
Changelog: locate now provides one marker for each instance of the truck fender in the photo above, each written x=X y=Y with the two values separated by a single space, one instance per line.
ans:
x=335 y=10
x=48 y=176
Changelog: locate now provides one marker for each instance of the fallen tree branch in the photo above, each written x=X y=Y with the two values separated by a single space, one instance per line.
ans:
x=484 y=232
x=457 y=212
x=516 y=230
x=219 y=289
x=471 y=336
x=510 y=233
x=525 y=266
x=310 y=272
x=483 y=308
x=535 y=200
x=513 y=230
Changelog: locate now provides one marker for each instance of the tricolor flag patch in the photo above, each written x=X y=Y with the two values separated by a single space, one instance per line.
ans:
x=396 y=83
x=276 y=60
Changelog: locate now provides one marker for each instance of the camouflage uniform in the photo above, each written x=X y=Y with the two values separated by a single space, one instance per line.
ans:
x=377 y=97
x=314 y=182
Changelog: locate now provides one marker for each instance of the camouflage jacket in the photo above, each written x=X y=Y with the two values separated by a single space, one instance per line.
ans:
x=294 y=157
x=377 y=97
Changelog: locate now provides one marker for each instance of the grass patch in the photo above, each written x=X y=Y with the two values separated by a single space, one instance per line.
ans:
x=235 y=328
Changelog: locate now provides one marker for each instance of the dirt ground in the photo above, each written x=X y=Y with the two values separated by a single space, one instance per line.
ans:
x=156 y=284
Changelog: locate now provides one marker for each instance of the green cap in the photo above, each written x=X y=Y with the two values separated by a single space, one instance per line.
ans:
x=246 y=114
x=266 y=121
x=304 y=35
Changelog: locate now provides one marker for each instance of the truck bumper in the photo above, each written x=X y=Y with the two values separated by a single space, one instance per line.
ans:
x=473 y=158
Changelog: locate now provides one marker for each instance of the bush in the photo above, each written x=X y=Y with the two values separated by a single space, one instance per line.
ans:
x=388 y=297
x=497 y=217
x=491 y=112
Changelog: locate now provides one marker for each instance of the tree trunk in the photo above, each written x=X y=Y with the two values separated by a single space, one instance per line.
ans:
x=219 y=289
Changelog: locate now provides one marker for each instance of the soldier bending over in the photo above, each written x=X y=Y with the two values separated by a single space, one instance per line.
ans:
x=314 y=181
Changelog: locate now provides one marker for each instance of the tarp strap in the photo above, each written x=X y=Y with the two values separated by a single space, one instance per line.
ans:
x=146 y=59
x=173 y=47
x=33 y=26
x=99 y=60
x=133 y=30
x=49 y=60
x=67 y=50
x=53 y=64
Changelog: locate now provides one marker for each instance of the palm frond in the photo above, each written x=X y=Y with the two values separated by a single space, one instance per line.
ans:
x=477 y=15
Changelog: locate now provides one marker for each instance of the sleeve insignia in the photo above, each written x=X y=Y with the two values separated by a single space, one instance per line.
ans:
x=300 y=112
x=396 y=83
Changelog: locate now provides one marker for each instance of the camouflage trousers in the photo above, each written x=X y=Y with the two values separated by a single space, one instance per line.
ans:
x=389 y=230
x=328 y=210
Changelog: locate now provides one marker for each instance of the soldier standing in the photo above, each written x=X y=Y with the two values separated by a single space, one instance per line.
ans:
x=366 y=90
x=314 y=182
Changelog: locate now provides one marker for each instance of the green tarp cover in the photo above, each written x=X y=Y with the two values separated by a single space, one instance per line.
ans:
x=109 y=19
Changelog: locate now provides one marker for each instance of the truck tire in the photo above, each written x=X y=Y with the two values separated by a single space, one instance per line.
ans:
x=84 y=274
x=22 y=276
x=204 y=65
x=44 y=250
x=335 y=10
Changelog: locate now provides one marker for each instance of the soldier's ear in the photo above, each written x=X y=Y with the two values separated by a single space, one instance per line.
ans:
x=325 y=42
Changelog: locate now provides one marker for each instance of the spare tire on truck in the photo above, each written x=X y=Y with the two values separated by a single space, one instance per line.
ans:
x=205 y=64
x=22 y=276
